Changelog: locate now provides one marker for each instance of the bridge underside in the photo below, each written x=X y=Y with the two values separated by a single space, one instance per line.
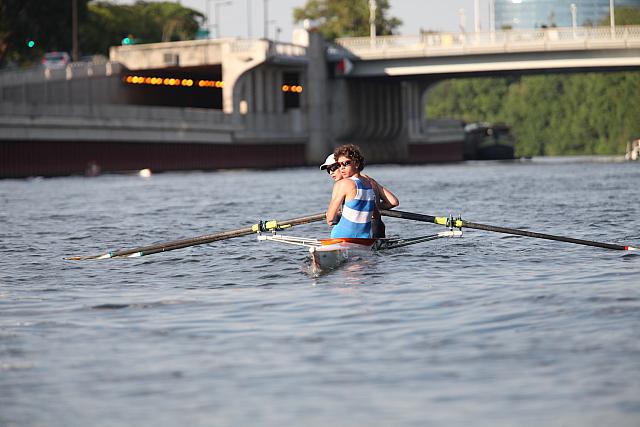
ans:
x=386 y=118
x=512 y=63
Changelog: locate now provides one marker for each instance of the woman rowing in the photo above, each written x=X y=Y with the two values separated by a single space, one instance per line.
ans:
x=385 y=198
x=361 y=195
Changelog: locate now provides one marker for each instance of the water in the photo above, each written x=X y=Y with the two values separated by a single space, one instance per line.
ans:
x=489 y=329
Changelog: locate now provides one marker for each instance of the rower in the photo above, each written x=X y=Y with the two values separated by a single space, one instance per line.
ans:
x=362 y=196
x=385 y=199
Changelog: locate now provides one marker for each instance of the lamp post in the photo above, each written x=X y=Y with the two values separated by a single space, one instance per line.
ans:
x=612 y=14
x=476 y=16
x=372 y=21
x=249 y=19
x=217 y=6
x=266 y=18
x=492 y=20
x=74 y=30
x=574 y=24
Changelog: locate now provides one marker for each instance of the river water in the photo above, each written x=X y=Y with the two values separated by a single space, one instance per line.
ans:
x=488 y=330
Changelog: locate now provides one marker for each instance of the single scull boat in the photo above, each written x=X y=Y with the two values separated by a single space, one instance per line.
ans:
x=327 y=254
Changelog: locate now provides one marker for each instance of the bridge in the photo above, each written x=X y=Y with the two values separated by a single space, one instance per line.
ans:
x=510 y=52
x=262 y=103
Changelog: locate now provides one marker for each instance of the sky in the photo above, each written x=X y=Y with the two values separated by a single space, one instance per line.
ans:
x=437 y=15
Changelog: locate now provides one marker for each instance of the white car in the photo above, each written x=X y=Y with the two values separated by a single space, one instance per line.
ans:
x=55 y=60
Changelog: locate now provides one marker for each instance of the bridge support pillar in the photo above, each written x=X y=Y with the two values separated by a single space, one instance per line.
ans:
x=319 y=145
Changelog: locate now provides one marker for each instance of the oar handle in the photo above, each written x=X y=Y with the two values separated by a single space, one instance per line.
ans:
x=408 y=215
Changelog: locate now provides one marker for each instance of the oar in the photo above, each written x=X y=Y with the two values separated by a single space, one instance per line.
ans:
x=459 y=223
x=200 y=240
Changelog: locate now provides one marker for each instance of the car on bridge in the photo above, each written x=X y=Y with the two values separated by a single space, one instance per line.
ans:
x=55 y=60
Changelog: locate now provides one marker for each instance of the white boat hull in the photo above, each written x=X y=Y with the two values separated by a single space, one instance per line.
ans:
x=328 y=257
x=328 y=254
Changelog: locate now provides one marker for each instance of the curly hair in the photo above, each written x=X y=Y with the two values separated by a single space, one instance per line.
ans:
x=351 y=152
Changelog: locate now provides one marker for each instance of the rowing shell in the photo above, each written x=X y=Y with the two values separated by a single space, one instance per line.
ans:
x=328 y=254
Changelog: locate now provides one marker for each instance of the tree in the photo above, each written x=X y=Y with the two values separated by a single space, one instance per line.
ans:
x=624 y=16
x=47 y=24
x=346 y=18
x=108 y=24
x=556 y=114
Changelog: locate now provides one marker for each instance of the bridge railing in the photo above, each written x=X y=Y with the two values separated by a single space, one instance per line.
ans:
x=134 y=113
x=273 y=49
x=71 y=71
x=443 y=44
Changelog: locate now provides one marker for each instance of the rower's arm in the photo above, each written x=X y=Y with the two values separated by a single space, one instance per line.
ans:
x=337 y=199
x=389 y=200
x=386 y=199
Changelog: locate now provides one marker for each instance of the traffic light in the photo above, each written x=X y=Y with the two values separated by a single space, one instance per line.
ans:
x=129 y=40
x=31 y=43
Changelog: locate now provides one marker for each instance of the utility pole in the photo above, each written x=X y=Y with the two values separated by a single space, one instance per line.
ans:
x=208 y=19
x=266 y=19
x=217 y=7
x=249 y=19
x=476 y=13
x=216 y=21
x=372 y=21
x=612 y=14
x=574 y=23
x=492 y=16
x=74 y=30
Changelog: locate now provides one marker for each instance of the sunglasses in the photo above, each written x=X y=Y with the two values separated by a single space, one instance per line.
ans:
x=345 y=163
x=334 y=167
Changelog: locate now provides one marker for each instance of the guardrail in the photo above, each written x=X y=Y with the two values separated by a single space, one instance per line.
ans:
x=443 y=44
x=134 y=113
x=39 y=74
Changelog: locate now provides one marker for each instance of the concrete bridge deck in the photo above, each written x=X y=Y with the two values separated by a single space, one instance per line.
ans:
x=361 y=90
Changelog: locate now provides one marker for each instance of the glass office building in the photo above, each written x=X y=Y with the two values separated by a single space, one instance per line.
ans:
x=524 y=14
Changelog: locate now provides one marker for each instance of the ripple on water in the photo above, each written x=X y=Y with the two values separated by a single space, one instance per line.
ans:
x=485 y=329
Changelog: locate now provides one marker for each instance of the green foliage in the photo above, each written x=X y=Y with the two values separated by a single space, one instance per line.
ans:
x=46 y=23
x=101 y=24
x=561 y=114
x=624 y=16
x=346 y=18
x=145 y=22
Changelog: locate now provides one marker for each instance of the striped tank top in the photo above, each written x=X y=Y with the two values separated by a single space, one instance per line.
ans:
x=356 y=214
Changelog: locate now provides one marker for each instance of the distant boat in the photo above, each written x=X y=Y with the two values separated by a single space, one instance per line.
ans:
x=486 y=141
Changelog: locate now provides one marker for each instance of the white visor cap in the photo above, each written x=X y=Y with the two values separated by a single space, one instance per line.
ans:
x=330 y=160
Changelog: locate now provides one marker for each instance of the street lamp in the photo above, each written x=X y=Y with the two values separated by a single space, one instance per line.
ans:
x=476 y=13
x=74 y=30
x=266 y=19
x=492 y=16
x=612 y=14
x=372 y=21
x=574 y=24
x=248 y=19
x=216 y=4
x=277 y=31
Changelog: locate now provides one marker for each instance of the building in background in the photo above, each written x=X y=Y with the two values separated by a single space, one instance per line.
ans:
x=523 y=14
